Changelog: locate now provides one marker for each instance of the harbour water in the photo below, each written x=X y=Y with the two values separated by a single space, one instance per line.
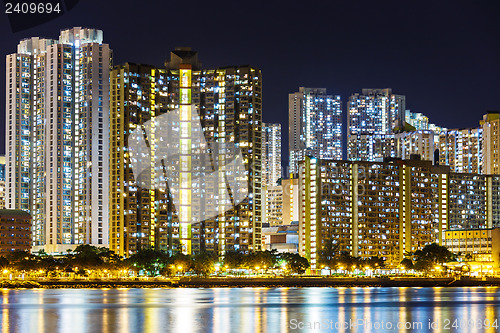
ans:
x=186 y=310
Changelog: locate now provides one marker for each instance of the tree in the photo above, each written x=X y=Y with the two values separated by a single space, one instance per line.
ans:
x=181 y=262
x=149 y=260
x=431 y=255
x=262 y=259
x=374 y=262
x=234 y=259
x=86 y=256
x=295 y=263
x=407 y=263
x=4 y=262
x=204 y=263
x=328 y=253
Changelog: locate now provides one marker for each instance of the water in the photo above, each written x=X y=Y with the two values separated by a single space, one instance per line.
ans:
x=250 y=310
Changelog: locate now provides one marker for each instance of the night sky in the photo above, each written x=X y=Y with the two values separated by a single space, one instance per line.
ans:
x=443 y=55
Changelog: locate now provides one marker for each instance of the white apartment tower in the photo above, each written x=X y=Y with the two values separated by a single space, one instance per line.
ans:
x=271 y=154
x=315 y=125
x=57 y=145
x=491 y=143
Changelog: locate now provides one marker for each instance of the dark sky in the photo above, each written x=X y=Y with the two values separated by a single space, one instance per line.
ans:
x=443 y=55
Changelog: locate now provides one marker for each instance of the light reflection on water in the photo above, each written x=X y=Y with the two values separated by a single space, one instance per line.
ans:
x=246 y=309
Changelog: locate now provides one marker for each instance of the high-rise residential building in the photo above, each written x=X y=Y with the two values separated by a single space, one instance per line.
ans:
x=291 y=203
x=2 y=182
x=417 y=120
x=272 y=192
x=387 y=209
x=419 y=142
x=371 y=147
x=315 y=125
x=378 y=113
x=421 y=122
x=491 y=143
x=367 y=209
x=461 y=149
x=139 y=217
x=281 y=203
x=272 y=207
x=2 y=168
x=471 y=201
x=271 y=154
x=228 y=103
x=57 y=125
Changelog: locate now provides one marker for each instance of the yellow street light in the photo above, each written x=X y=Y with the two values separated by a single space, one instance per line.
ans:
x=5 y=271
x=257 y=267
x=179 y=267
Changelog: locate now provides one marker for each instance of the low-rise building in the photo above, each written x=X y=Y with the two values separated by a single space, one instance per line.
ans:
x=15 y=231
x=475 y=245
x=284 y=238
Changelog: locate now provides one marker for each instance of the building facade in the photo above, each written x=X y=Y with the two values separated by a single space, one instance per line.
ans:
x=228 y=104
x=271 y=154
x=417 y=120
x=2 y=182
x=15 y=231
x=372 y=118
x=272 y=212
x=387 y=209
x=291 y=203
x=139 y=217
x=474 y=244
x=371 y=147
x=283 y=238
x=315 y=125
x=419 y=142
x=58 y=137
x=491 y=143
x=461 y=149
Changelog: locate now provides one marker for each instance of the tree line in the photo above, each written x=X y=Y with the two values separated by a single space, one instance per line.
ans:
x=151 y=262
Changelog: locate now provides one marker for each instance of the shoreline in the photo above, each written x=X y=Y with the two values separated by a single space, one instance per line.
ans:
x=289 y=282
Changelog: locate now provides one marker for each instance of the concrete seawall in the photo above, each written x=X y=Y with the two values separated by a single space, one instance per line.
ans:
x=255 y=282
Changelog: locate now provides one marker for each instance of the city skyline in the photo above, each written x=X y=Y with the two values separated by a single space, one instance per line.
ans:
x=250 y=166
x=64 y=94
